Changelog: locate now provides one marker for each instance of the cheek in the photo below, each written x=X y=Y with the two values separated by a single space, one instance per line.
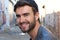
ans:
x=30 y=19
x=17 y=20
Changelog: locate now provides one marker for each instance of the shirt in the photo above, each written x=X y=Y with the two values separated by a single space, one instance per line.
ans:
x=44 y=34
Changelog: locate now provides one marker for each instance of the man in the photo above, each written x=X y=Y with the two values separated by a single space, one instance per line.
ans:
x=28 y=20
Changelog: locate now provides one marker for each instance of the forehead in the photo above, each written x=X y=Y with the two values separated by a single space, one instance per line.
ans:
x=24 y=9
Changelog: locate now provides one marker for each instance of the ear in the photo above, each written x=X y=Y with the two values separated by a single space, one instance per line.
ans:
x=37 y=15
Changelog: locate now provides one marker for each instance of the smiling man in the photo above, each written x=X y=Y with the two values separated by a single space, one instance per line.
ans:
x=28 y=20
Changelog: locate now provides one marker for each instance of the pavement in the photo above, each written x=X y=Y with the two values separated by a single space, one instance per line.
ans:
x=14 y=36
x=12 y=33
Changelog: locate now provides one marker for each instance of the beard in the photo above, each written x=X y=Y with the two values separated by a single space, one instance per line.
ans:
x=30 y=27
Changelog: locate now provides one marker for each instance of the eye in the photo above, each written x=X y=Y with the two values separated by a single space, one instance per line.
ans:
x=17 y=16
x=26 y=14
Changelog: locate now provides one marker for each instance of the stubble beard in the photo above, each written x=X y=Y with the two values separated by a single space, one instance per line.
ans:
x=31 y=26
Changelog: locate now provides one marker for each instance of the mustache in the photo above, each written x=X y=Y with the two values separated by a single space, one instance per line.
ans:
x=23 y=23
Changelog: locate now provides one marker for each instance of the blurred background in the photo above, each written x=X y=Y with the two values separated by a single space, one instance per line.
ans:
x=49 y=16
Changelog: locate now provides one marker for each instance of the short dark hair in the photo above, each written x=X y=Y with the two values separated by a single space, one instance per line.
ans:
x=31 y=3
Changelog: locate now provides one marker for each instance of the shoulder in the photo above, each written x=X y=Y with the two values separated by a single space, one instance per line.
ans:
x=46 y=33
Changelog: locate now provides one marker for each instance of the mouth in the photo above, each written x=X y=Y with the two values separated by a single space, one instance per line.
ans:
x=24 y=26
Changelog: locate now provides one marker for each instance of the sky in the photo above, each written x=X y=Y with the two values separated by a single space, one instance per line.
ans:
x=50 y=6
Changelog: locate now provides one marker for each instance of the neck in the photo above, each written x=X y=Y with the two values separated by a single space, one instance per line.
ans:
x=33 y=33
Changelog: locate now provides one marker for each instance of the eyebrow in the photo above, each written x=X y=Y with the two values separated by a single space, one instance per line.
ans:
x=25 y=13
x=17 y=15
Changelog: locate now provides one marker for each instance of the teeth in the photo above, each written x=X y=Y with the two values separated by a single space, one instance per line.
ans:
x=24 y=25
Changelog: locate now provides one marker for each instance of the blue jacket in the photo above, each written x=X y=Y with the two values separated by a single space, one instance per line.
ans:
x=44 y=34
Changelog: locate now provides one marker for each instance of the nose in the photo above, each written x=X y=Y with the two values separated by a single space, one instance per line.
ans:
x=22 y=19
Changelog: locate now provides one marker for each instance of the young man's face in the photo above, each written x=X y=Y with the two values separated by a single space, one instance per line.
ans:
x=25 y=18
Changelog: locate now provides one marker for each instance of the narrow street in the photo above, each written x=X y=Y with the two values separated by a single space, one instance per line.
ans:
x=9 y=36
